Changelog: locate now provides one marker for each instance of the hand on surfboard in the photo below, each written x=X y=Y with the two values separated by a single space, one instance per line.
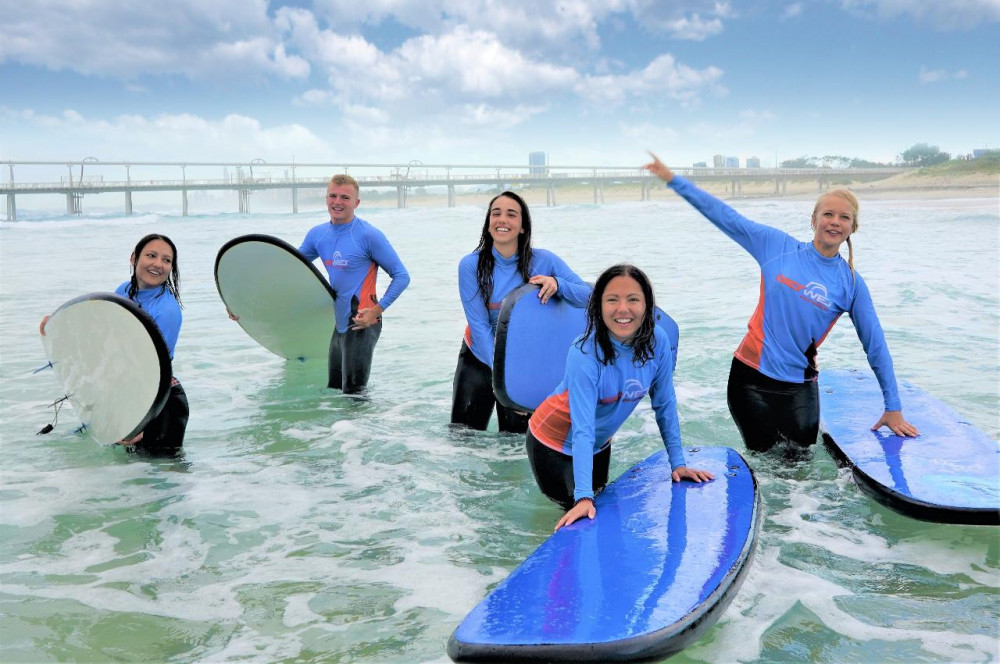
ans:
x=231 y=315
x=584 y=508
x=693 y=474
x=549 y=286
x=367 y=317
x=899 y=426
x=41 y=326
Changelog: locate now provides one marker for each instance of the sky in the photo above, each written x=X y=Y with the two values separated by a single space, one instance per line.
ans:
x=588 y=82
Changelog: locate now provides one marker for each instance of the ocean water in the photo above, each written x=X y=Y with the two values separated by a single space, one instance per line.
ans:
x=301 y=525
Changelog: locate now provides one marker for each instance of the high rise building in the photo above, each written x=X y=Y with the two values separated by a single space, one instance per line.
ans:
x=537 y=161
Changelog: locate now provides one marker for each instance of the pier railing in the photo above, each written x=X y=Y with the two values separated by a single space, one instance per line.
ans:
x=91 y=176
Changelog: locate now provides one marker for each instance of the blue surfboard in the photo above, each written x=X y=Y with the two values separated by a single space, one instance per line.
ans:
x=532 y=341
x=950 y=473
x=647 y=577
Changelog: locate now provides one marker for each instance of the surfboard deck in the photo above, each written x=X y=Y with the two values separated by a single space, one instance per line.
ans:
x=111 y=361
x=283 y=302
x=950 y=473
x=647 y=577
x=532 y=341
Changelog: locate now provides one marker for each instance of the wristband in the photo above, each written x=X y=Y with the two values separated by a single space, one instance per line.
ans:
x=580 y=500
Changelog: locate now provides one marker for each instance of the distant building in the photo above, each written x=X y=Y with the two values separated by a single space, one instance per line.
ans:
x=732 y=162
x=753 y=162
x=699 y=164
x=718 y=161
x=538 y=162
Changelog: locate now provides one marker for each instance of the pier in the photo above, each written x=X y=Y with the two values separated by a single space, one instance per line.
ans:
x=91 y=176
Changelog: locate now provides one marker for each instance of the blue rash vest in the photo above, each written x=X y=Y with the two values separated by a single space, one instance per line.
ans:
x=162 y=307
x=802 y=295
x=480 y=335
x=352 y=254
x=593 y=400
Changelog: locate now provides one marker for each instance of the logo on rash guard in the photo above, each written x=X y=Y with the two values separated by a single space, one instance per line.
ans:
x=634 y=391
x=337 y=261
x=815 y=293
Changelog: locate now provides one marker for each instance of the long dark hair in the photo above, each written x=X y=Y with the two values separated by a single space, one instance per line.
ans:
x=644 y=341
x=484 y=268
x=173 y=282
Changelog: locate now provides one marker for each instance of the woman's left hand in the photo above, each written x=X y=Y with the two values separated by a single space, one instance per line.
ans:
x=549 y=286
x=899 y=426
x=366 y=317
x=693 y=474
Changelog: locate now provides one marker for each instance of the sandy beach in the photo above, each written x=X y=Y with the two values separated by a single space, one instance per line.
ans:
x=908 y=186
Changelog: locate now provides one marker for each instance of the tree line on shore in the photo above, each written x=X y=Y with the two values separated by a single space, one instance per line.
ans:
x=917 y=156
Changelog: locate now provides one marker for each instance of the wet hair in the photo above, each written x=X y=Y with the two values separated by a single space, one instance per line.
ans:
x=852 y=200
x=644 y=341
x=173 y=282
x=342 y=179
x=484 y=267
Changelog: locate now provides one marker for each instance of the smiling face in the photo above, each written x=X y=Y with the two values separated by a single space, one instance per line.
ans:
x=505 y=225
x=341 y=201
x=153 y=264
x=833 y=220
x=623 y=306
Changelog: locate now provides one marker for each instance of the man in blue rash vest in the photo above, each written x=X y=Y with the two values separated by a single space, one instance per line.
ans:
x=805 y=287
x=503 y=261
x=352 y=251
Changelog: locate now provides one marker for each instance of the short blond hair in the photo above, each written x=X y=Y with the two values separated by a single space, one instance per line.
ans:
x=342 y=179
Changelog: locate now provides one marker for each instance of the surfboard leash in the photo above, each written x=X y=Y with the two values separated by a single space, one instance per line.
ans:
x=57 y=405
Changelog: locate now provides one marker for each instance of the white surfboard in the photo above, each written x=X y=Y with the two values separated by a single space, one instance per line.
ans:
x=283 y=302
x=112 y=363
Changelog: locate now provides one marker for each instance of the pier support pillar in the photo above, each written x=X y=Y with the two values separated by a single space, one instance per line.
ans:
x=401 y=198
x=295 y=200
x=451 y=195
x=184 y=202
x=646 y=191
x=244 y=196
x=128 y=203
x=74 y=203
x=11 y=208
x=598 y=192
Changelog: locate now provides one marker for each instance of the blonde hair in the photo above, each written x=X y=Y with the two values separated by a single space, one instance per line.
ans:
x=342 y=179
x=852 y=200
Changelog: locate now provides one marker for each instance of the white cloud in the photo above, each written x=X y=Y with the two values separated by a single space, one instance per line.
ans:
x=950 y=15
x=938 y=75
x=753 y=115
x=663 y=77
x=166 y=137
x=199 y=40
x=791 y=11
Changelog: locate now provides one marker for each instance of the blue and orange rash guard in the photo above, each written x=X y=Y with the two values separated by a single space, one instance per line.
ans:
x=162 y=307
x=480 y=334
x=593 y=400
x=802 y=295
x=352 y=254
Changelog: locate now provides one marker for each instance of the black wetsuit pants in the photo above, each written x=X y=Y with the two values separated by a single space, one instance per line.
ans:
x=767 y=411
x=553 y=471
x=351 y=353
x=164 y=435
x=472 y=398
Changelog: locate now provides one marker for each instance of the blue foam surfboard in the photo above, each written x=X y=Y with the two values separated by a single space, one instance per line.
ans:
x=950 y=473
x=532 y=341
x=112 y=363
x=283 y=302
x=647 y=577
